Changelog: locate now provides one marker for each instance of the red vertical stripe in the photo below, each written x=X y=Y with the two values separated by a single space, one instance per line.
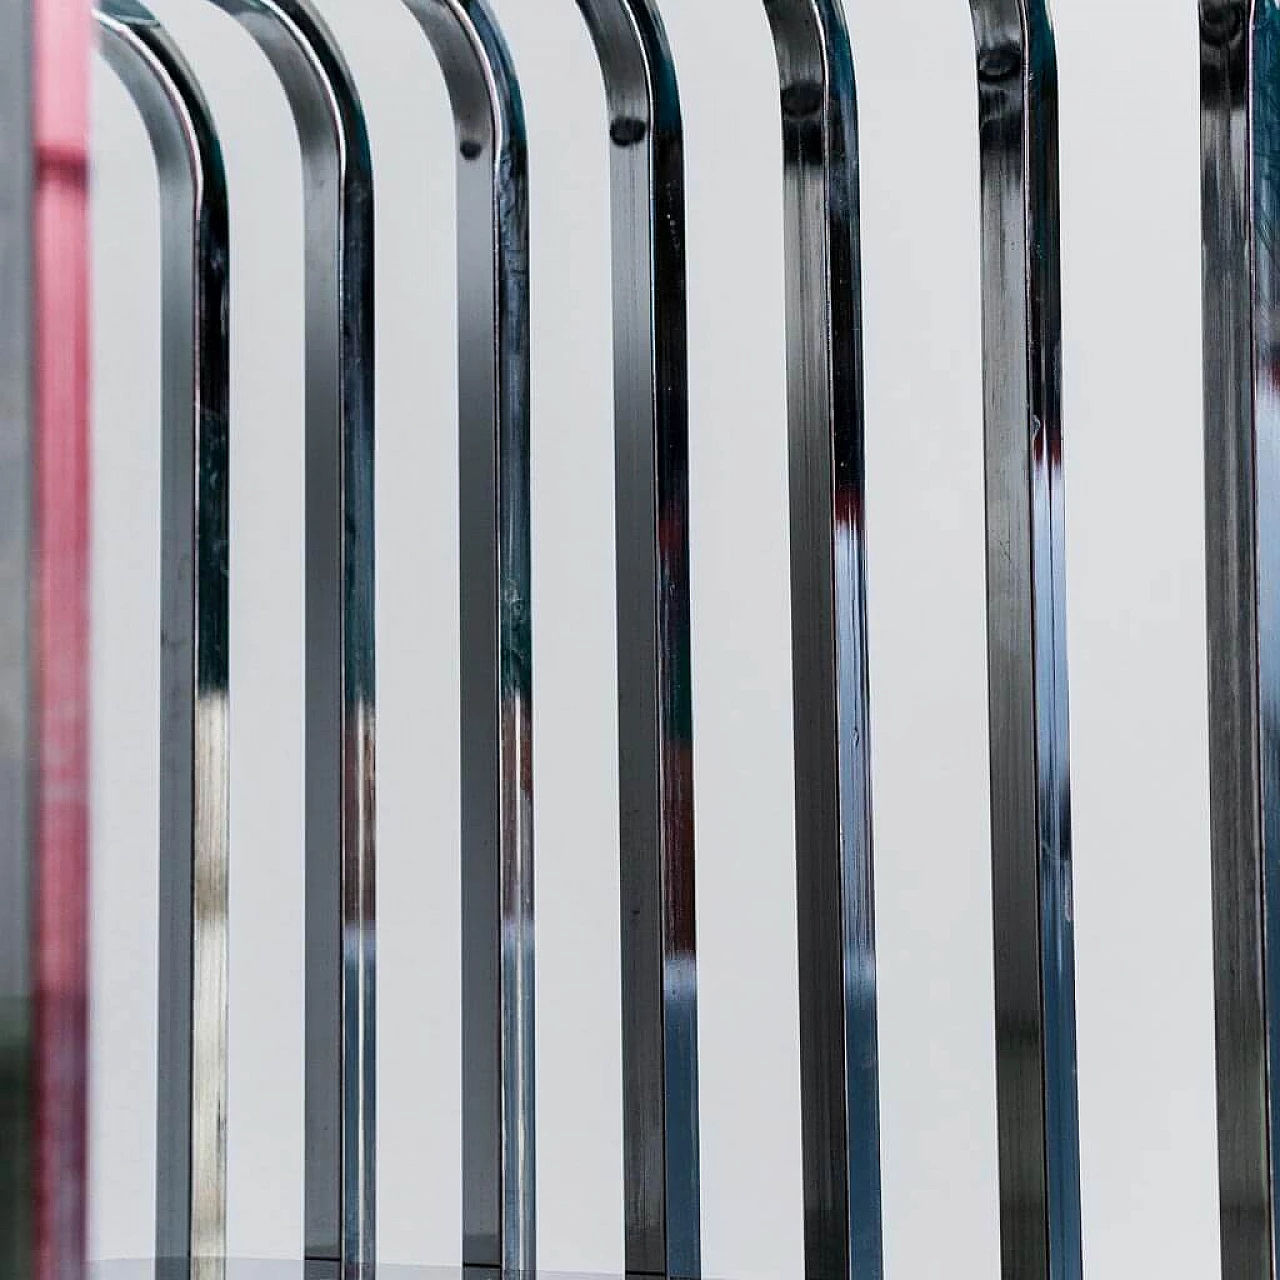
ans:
x=61 y=587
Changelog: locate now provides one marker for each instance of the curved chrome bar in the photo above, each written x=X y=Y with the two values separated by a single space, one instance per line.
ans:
x=840 y=1085
x=340 y=989
x=44 y=635
x=1240 y=138
x=498 y=1151
x=655 y=712
x=195 y=542
x=1026 y=627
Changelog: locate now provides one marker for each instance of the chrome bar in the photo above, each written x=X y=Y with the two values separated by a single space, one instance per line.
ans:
x=1039 y=1146
x=195 y=530
x=498 y=1152
x=44 y=636
x=655 y=711
x=340 y=988
x=1240 y=128
x=840 y=1084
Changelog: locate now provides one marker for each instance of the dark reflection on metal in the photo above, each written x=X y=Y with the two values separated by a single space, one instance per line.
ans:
x=655 y=721
x=44 y=661
x=498 y=1153
x=192 y=1067
x=839 y=1055
x=1240 y=140
x=1030 y=790
x=340 y=1021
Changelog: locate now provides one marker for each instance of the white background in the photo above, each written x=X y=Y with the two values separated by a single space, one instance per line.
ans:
x=1136 y=582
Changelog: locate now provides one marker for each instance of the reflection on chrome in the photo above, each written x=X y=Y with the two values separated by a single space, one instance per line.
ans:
x=839 y=1057
x=1037 y=1107
x=340 y=1121
x=496 y=634
x=1240 y=134
x=192 y=1024
x=655 y=703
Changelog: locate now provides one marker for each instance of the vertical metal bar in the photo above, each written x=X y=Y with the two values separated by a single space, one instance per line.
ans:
x=1244 y=1150
x=194 y=836
x=655 y=713
x=44 y=532
x=1030 y=789
x=839 y=1051
x=498 y=1152
x=1240 y=131
x=1264 y=225
x=340 y=986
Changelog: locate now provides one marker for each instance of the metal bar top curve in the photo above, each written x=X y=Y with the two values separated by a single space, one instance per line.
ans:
x=1001 y=32
x=194 y=834
x=499 y=1150
x=655 y=712
x=340 y=1117
x=1223 y=21
x=836 y=925
x=484 y=90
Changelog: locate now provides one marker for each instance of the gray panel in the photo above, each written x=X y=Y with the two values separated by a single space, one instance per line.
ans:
x=17 y=774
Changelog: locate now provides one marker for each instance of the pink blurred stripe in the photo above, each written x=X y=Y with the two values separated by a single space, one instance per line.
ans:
x=62 y=35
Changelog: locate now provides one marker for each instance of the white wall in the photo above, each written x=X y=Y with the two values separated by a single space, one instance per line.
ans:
x=1135 y=566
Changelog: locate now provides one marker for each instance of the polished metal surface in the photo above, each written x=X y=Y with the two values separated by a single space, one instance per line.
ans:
x=1039 y=1145
x=498 y=1151
x=655 y=711
x=340 y=729
x=1240 y=131
x=44 y=661
x=195 y=548
x=839 y=1057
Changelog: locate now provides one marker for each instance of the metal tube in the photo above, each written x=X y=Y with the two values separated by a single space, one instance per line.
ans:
x=44 y=661
x=1039 y=1144
x=340 y=728
x=498 y=1151
x=840 y=1103
x=1240 y=129
x=194 y=834
x=655 y=711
